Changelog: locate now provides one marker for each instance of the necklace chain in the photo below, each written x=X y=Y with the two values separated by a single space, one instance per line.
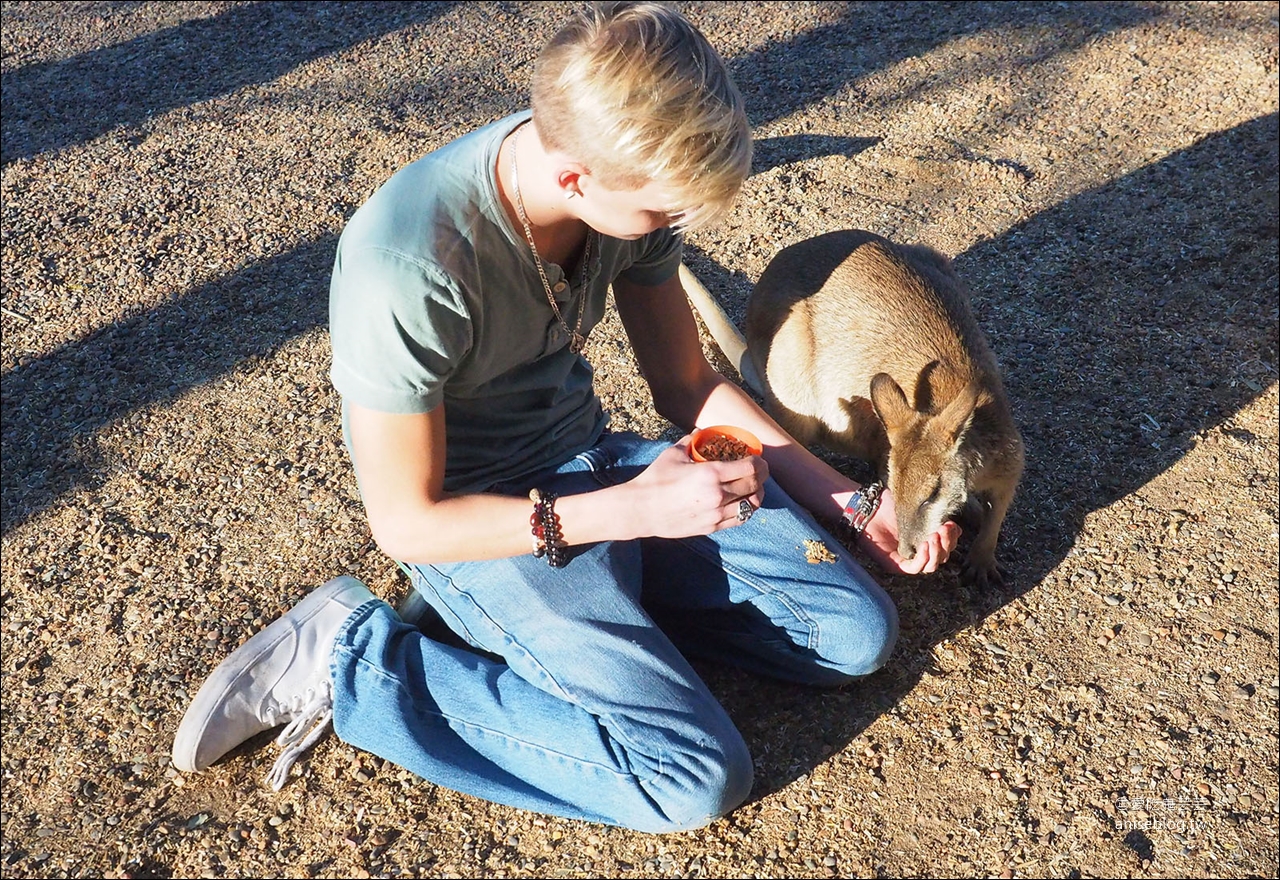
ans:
x=576 y=340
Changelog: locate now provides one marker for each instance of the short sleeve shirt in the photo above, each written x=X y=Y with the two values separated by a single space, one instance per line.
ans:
x=435 y=299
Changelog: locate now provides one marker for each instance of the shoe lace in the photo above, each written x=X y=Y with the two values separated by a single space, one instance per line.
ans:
x=312 y=711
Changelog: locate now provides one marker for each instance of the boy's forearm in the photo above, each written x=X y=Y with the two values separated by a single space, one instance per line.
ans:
x=475 y=527
x=808 y=479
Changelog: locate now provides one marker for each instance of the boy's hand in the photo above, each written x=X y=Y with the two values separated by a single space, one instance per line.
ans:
x=881 y=542
x=677 y=497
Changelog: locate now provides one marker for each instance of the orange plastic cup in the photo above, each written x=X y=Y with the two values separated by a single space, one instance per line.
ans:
x=704 y=436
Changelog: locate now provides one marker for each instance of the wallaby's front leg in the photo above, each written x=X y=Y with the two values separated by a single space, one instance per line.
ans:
x=980 y=570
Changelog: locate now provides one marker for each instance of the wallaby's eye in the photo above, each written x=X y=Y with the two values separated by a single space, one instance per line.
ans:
x=933 y=496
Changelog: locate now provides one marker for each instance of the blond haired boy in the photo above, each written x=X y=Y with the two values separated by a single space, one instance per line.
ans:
x=462 y=294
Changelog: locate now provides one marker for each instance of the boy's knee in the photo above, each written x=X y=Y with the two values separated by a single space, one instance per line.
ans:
x=880 y=634
x=707 y=786
x=861 y=641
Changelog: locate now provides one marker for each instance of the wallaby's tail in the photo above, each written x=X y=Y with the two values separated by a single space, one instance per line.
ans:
x=722 y=328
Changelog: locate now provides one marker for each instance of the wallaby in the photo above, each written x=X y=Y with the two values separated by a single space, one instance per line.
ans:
x=870 y=348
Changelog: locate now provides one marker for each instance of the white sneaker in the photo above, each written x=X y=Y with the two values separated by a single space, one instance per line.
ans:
x=280 y=675
x=413 y=609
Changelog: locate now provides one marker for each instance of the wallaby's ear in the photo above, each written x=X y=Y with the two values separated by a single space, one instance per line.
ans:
x=890 y=402
x=954 y=420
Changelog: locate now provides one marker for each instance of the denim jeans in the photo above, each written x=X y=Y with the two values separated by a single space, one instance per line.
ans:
x=579 y=701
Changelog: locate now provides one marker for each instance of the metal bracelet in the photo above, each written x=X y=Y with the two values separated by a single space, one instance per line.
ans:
x=862 y=506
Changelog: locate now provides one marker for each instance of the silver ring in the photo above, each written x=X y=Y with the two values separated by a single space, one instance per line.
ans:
x=745 y=510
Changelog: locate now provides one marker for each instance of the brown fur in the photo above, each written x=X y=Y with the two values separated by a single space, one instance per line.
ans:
x=870 y=348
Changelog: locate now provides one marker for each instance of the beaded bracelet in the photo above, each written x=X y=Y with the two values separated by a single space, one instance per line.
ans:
x=548 y=538
x=862 y=505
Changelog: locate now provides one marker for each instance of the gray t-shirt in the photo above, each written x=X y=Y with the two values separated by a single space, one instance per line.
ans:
x=435 y=298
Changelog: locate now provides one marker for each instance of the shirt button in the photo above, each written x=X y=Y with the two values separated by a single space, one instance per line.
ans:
x=559 y=287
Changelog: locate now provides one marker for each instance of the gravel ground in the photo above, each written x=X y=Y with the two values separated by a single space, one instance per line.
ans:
x=174 y=180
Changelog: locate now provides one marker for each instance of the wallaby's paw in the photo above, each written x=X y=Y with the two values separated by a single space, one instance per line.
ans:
x=980 y=575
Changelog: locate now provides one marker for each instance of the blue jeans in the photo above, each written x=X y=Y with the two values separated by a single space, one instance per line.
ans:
x=580 y=702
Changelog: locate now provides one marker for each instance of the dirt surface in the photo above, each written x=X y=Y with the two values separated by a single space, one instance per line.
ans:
x=174 y=180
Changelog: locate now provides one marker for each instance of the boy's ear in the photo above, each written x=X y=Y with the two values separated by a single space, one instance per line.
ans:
x=570 y=180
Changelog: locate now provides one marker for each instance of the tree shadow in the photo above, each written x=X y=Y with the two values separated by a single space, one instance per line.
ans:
x=1139 y=331
x=1127 y=320
x=772 y=152
x=52 y=405
x=52 y=105
x=784 y=75
x=1153 y=322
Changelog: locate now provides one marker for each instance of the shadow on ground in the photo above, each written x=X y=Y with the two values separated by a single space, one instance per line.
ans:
x=53 y=405
x=52 y=105
x=784 y=75
x=1153 y=323
x=1143 y=328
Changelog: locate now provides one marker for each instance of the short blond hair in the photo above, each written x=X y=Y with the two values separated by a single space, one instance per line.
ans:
x=635 y=93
